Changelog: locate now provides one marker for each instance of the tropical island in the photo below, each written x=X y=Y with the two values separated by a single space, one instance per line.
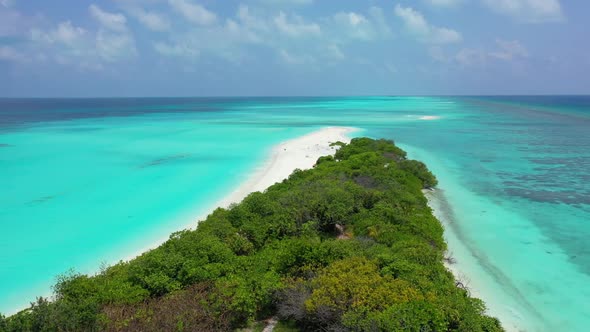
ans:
x=350 y=245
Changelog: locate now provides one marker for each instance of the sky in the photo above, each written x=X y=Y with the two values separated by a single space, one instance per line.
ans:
x=159 y=48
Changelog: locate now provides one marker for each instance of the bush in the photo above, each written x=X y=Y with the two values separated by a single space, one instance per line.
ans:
x=419 y=170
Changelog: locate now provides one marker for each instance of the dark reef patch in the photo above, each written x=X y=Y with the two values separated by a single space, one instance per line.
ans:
x=547 y=196
x=164 y=160
x=41 y=199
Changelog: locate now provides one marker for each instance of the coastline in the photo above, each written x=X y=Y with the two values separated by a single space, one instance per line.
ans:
x=468 y=266
x=298 y=153
x=460 y=262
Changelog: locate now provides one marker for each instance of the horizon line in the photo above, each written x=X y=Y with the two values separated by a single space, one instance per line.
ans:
x=298 y=96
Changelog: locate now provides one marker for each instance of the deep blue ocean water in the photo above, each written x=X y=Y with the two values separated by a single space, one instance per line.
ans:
x=85 y=181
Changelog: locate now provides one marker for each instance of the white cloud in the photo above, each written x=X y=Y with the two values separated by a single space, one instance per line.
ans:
x=66 y=43
x=445 y=36
x=65 y=33
x=354 y=25
x=114 y=41
x=193 y=12
x=416 y=24
x=115 y=46
x=297 y=27
x=357 y=26
x=151 y=20
x=111 y=21
x=532 y=11
x=226 y=41
x=413 y=20
x=356 y=19
x=293 y=38
x=68 y=34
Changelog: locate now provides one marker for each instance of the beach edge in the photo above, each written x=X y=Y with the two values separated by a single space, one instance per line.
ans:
x=283 y=158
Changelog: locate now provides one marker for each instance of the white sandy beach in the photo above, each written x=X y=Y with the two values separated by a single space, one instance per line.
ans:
x=299 y=153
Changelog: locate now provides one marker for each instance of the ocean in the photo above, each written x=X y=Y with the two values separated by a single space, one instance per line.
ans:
x=88 y=182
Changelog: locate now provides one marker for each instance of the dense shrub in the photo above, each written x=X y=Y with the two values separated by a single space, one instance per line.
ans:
x=189 y=310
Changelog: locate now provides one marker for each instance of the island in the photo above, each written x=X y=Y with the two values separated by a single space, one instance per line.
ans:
x=349 y=245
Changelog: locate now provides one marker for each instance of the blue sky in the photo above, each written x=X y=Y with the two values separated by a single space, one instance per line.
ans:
x=293 y=47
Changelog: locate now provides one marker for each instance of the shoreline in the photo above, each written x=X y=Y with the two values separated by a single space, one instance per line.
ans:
x=297 y=153
x=466 y=265
x=462 y=265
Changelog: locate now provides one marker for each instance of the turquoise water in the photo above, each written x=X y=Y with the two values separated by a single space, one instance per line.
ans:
x=92 y=180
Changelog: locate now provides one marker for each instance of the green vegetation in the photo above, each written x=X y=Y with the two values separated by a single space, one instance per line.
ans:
x=350 y=245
